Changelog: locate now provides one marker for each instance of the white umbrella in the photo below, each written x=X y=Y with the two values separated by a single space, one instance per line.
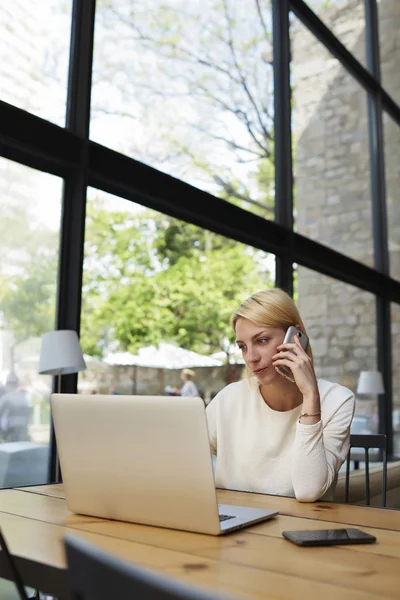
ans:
x=166 y=356
x=123 y=359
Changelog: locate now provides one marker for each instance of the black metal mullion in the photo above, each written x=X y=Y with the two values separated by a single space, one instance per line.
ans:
x=372 y=39
x=384 y=365
x=379 y=221
x=376 y=143
x=80 y=72
x=120 y=175
x=35 y=142
x=283 y=137
x=284 y=272
x=75 y=188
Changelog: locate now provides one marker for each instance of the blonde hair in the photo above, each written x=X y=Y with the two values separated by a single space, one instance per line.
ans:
x=270 y=308
x=189 y=373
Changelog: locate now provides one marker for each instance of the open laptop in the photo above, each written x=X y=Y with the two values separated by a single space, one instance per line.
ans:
x=144 y=459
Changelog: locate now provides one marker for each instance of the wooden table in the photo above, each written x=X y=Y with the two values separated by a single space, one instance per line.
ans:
x=255 y=562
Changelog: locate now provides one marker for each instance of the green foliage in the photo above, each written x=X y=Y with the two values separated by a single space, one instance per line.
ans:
x=179 y=283
x=28 y=283
x=28 y=301
x=28 y=304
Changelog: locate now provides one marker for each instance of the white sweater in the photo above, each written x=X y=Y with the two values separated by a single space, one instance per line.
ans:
x=263 y=450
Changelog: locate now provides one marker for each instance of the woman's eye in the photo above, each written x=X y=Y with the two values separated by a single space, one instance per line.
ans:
x=263 y=340
x=241 y=347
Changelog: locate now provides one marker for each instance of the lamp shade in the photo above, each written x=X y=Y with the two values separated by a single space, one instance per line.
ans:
x=370 y=382
x=61 y=353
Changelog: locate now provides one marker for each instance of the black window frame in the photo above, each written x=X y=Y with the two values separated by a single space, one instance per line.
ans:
x=69 y=153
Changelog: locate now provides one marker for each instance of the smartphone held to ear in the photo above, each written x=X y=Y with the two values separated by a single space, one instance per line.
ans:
x=289 y=339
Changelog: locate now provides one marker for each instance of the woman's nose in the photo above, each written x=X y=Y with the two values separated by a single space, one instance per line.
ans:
x=252 y=355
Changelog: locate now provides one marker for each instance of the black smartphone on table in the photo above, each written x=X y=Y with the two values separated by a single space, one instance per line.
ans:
x=329 y=537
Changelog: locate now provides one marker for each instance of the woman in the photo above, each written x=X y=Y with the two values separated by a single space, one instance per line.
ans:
x=189 y=387
x=272 y=435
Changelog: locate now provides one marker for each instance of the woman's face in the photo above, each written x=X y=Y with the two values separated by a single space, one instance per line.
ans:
x=258 y=345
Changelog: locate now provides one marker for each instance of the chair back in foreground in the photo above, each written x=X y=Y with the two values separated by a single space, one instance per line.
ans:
x=96 y=575
x=12 y=568
x=366 y=442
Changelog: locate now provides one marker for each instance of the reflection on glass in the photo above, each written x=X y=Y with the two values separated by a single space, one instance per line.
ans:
x=187 y=88
x=389 y=16
x=331 y=151
x=29 y=239
x=341 y=323
x=156 y=287
x=395 y=316
x=346 y=19
x=392 y=175
x=34 y=52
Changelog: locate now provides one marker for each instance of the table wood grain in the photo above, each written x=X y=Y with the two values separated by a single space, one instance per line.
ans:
x=254 y=562
x=324 y=511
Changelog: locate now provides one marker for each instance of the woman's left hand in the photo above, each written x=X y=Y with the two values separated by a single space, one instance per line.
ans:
x=300 y=364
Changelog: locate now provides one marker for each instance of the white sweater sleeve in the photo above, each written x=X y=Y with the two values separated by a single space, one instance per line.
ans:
x=319 y=450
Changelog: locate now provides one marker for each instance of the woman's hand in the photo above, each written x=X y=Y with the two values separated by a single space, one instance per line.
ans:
x=301 y=366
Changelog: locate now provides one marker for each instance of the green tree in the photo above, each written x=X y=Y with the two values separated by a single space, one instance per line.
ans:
x=27 y=298
x=193 y=86
x=177 y=282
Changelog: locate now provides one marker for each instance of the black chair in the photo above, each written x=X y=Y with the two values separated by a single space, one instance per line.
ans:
x=12 y=568
x=368 y=441
x=95 y=575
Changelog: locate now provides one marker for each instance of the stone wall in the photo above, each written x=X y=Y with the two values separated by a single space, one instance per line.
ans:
x=101 y=378
x=333 y=190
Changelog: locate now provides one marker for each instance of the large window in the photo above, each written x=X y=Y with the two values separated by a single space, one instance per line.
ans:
x=29 y=225
x=330 y=150
x=389 y=15
x=341 y=322
x=346 y=19
x=34 y=52
x=150 y=279
x=396 y=377
x=187 y=88
x=392 y=172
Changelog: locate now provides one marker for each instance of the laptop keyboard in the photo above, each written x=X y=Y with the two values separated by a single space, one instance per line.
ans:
x=226 y=517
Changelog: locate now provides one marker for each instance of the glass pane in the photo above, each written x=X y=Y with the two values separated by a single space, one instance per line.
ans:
x=346 y=19
x=396 y=377
x=29 y=240
x=392 y=174
x=34 y=53
x=187 y=88
x=341 y=323
x=151 y=280
x=331 y=151
x=389 y=46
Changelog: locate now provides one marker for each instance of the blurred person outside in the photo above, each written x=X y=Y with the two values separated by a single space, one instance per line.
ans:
x=112 y=391
x=189 y=388
x=171 y=391
x=15 y=412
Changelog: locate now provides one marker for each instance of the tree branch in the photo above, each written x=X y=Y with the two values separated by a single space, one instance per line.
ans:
x=263 y=24
x=240 y=72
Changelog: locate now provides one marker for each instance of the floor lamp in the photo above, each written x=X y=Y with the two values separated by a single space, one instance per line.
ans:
x=60 y=354
x=370 y=383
